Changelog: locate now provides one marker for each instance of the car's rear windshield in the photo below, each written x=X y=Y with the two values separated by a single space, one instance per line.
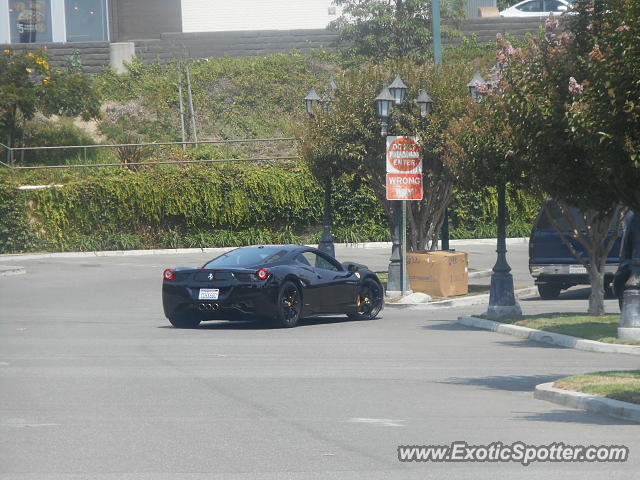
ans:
x=248 y=257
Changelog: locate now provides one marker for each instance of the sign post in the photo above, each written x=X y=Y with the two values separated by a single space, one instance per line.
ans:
x=404 y=182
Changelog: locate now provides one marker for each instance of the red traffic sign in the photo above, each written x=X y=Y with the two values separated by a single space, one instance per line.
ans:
x=403 y=155
x=404 y=186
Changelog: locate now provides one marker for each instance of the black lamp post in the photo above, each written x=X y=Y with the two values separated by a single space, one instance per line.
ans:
x=388 y=96
x=629 y=328
x=502 y=299
x=326 y=240
x=384 y=104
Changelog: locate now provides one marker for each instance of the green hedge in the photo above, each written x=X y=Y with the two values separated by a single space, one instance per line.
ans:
x=221 y=205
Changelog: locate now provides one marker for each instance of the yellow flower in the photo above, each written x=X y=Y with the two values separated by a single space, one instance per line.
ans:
x=29 y=70
x=45 y=80
x=7 y=51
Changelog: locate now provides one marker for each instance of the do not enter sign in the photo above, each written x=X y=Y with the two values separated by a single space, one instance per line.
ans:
x=403 y=155
x=404 y=169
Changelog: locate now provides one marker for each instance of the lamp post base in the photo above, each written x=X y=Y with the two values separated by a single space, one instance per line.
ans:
x=502 y=299
x=503 y=311
x=629 y=334
x=394 y=289
x=326 y=245
x=629 y=328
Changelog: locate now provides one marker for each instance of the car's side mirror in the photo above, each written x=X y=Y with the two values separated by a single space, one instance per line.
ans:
x=350 y=267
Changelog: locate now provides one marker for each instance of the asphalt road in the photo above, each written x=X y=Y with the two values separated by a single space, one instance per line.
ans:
x=94 y=383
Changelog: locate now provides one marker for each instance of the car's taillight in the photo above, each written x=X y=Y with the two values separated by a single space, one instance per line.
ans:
x=168 y=274
x=262 y=274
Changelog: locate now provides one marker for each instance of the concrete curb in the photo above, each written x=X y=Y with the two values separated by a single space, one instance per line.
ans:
x=590 y=403
x=178 y=251
x=549 y=337
x=6 y=270
x=111 y=253
x=479 y=274
x=457 y=302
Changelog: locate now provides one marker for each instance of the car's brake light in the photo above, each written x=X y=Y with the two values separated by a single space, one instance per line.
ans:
x=262 y=274
x=168 y=274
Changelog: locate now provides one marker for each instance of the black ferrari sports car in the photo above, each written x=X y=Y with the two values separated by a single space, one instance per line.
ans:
x=281 y=283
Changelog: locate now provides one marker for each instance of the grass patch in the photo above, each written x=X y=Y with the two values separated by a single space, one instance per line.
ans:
x=602 y=328
x=620 y=385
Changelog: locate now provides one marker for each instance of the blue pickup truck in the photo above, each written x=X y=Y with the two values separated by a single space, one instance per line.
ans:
x=552 y=264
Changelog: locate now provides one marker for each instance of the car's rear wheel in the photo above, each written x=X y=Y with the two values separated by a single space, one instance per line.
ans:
x=370 y=301
x=289 y=305
x=183 y=320
x=549 y=291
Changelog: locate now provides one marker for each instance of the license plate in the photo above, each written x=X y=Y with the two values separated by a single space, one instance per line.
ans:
x=577 y=269
x=208 y=294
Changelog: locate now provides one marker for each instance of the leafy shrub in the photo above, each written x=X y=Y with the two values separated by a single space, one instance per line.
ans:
x=214 y=206
x=46 y=133
x=16 y=234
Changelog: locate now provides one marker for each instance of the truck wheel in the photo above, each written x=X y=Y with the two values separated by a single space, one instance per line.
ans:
x=549 y=291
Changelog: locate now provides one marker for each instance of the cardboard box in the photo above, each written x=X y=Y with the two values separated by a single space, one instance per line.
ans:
x=438 y=273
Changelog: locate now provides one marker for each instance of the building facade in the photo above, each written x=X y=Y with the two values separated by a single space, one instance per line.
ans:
x=242 y=15
x=62 y=21
x=81 y=21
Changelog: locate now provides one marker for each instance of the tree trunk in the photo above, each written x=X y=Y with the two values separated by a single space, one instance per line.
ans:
x=592 y=235
x=596 y=299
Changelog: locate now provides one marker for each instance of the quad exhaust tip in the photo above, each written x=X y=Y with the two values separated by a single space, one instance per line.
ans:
x=208 y=307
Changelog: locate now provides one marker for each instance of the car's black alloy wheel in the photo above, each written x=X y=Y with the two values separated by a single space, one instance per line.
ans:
x=370 y=300
x=289 y=305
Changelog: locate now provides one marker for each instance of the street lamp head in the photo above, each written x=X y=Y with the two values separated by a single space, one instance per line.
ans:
x=398 y=90
x=425 y=102
x=331 y=85
x=309 y=100
x=384 y=102
x=326 y=102
x=476 y=83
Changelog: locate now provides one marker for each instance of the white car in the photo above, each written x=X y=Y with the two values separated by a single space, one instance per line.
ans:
x=536 y=8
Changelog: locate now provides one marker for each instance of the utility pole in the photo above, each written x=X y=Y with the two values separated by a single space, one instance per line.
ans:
x=191 y=111
x=184 y=147
x=437 y=58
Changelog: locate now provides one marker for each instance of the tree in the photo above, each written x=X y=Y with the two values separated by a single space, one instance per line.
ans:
x=347 y=139
x=541 y=95
x=520 y=134
x=28 y=85
x=604 y=111
x=381 y=29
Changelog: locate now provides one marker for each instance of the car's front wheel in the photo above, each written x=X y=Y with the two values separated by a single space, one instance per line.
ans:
x=289 y=305
x=370 y=301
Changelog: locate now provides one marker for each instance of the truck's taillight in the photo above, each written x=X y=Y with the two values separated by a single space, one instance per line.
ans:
x=168 y=274
x=262 y=274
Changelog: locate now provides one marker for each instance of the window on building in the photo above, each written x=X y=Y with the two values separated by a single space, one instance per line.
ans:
x=86 y=20
x=30 y=21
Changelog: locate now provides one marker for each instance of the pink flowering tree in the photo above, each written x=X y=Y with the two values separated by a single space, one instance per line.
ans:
x=521 y=134
x=558 y=128
x=604 y=111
